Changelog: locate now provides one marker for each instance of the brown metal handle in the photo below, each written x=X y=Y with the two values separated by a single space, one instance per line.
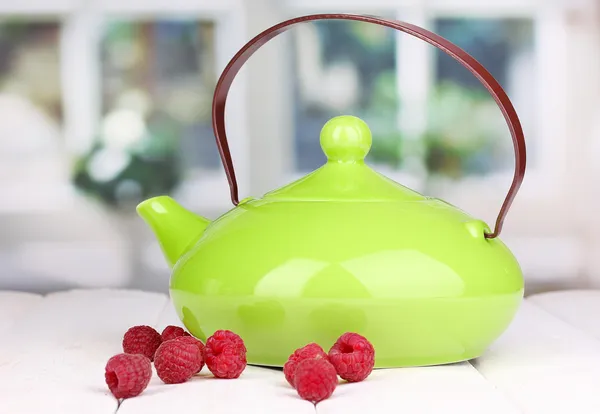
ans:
x=486 y=79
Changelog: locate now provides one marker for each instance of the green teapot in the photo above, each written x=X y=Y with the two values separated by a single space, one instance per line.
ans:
x=343 y=249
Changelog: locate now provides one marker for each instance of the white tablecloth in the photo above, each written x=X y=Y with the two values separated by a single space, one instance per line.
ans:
x=53 y=350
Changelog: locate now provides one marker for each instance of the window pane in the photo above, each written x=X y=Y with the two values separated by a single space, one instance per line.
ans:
x=466 y=132
x=344 y=68
x=157 y=84
x=33 y=163
x=164 y=71
x=30 y=95
x=30 y=107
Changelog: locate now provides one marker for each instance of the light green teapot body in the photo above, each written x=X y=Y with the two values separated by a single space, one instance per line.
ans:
x=343 y=249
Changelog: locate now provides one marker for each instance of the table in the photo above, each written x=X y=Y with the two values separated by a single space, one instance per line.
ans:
x=53 y=350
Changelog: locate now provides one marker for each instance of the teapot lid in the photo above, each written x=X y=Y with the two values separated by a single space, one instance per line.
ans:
x=346 y=141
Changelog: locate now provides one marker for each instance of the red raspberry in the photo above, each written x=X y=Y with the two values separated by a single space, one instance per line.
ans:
x=353 y=357
x=315 y=379
x=177 y=361
x=172 y=332
x=191 y=340
x=127 y=375
x=225 y=354
x=311 y=350
x=225 y=335
x=141 y=340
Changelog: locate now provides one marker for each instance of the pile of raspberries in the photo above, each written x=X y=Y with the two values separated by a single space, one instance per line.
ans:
x=178 y=356
x=313 y=373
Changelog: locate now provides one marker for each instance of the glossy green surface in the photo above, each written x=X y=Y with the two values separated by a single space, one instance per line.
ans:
x=177 y=227
x=343 y=249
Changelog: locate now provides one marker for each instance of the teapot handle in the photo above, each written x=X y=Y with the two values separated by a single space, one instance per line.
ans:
x=486 y=79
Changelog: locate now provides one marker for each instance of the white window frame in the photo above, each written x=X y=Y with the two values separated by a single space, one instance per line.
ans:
x=548 y=186
x=248 y=132
x=81 y=25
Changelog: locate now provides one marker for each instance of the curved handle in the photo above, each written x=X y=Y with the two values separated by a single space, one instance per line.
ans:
x=486 y=79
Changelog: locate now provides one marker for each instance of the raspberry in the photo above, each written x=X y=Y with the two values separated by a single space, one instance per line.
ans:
x=177 y=361
x=225 y=354
x=353 y=357
x=141 y=339
x=315 y=379
x=191 y=340
x=172 y=332
x=225 y=335
x=311 y=350
x=127 y=375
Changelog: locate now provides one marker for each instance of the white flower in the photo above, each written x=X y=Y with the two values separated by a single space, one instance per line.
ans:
x=122 y=129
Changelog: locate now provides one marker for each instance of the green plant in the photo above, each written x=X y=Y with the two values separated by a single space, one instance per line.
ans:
x=463 y=131
x=118 y=174
x=381 y=115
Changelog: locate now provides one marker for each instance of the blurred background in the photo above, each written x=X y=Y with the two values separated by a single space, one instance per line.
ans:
x=106 y=102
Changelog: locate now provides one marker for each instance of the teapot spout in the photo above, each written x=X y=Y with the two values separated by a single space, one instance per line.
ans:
x=175 y=227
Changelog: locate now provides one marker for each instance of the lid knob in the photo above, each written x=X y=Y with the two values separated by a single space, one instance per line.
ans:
x=346 y=139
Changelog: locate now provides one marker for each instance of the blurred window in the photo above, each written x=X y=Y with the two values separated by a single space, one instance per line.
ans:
x=163 y=71
x=98 y=111
x=343 y=67
x=157 y=79
x=466 y=133
x=30 y=106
